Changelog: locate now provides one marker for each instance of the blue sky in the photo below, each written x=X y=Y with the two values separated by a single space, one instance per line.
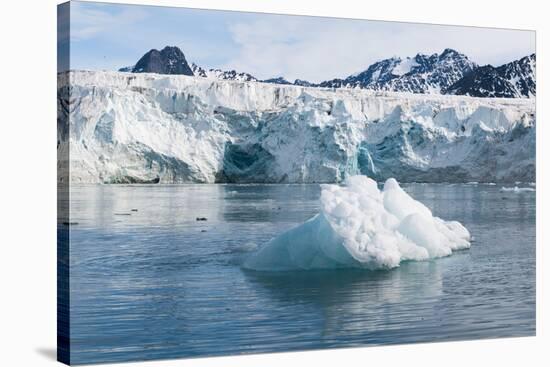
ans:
x=109 y=36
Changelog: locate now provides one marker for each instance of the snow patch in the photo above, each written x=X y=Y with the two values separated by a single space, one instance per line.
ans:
x=404 y=66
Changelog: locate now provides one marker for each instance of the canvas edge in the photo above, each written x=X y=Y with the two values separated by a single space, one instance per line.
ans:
x=63 y=180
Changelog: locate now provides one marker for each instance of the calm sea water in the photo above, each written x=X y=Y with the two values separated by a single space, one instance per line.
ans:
x=149 y=281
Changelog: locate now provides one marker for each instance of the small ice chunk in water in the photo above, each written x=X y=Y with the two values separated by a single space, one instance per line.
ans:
x=364 y=227
x=246 y=247
x=517 y=189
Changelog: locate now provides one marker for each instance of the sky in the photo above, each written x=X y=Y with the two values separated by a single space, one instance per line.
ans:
x=107 y=36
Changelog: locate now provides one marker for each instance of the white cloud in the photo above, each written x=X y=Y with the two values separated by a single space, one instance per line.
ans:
x=317 y=49
x=89 y=22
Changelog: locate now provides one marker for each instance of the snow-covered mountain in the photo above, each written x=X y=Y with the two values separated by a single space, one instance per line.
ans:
x=513 y=80
x=420 y=74
x=298 y=82
x=242 y=77
x=277 y=80
x=122 y=127
x=127 y=69
x=450 y=72
x=221 y=74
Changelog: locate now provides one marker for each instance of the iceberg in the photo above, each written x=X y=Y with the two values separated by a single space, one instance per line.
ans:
x=360 y=226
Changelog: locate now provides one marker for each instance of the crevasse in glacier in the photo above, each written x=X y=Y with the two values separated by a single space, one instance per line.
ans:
x=174 y=128
x=360 y=226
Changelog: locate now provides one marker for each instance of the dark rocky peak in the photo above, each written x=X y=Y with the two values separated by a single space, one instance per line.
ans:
x=169 y=60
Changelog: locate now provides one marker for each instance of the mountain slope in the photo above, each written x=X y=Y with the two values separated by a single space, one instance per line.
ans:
x=513 y=80
x=221 y=74
x=174 y=128
x=421 y=74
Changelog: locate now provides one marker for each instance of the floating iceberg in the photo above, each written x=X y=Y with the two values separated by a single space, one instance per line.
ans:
x=517 y=189
x=363 y=227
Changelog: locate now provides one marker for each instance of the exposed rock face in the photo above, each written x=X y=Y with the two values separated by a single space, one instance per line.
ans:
x=169 y=60
x=513 y=80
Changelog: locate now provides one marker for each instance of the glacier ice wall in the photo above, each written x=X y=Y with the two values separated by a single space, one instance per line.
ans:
x=361 y=226
x=173 y=129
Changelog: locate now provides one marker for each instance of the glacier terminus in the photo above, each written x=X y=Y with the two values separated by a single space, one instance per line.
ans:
x=148 y=128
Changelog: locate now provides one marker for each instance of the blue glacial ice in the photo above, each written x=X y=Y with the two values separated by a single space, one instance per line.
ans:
x=360 y=226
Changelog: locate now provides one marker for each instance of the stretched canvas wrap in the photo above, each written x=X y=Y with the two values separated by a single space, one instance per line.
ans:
x=233 y=183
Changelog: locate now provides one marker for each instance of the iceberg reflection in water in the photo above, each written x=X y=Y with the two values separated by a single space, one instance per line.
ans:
x=369 y=312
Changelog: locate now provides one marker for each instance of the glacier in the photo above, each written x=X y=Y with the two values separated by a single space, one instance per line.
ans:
x=360 y=226
x=143 y=128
